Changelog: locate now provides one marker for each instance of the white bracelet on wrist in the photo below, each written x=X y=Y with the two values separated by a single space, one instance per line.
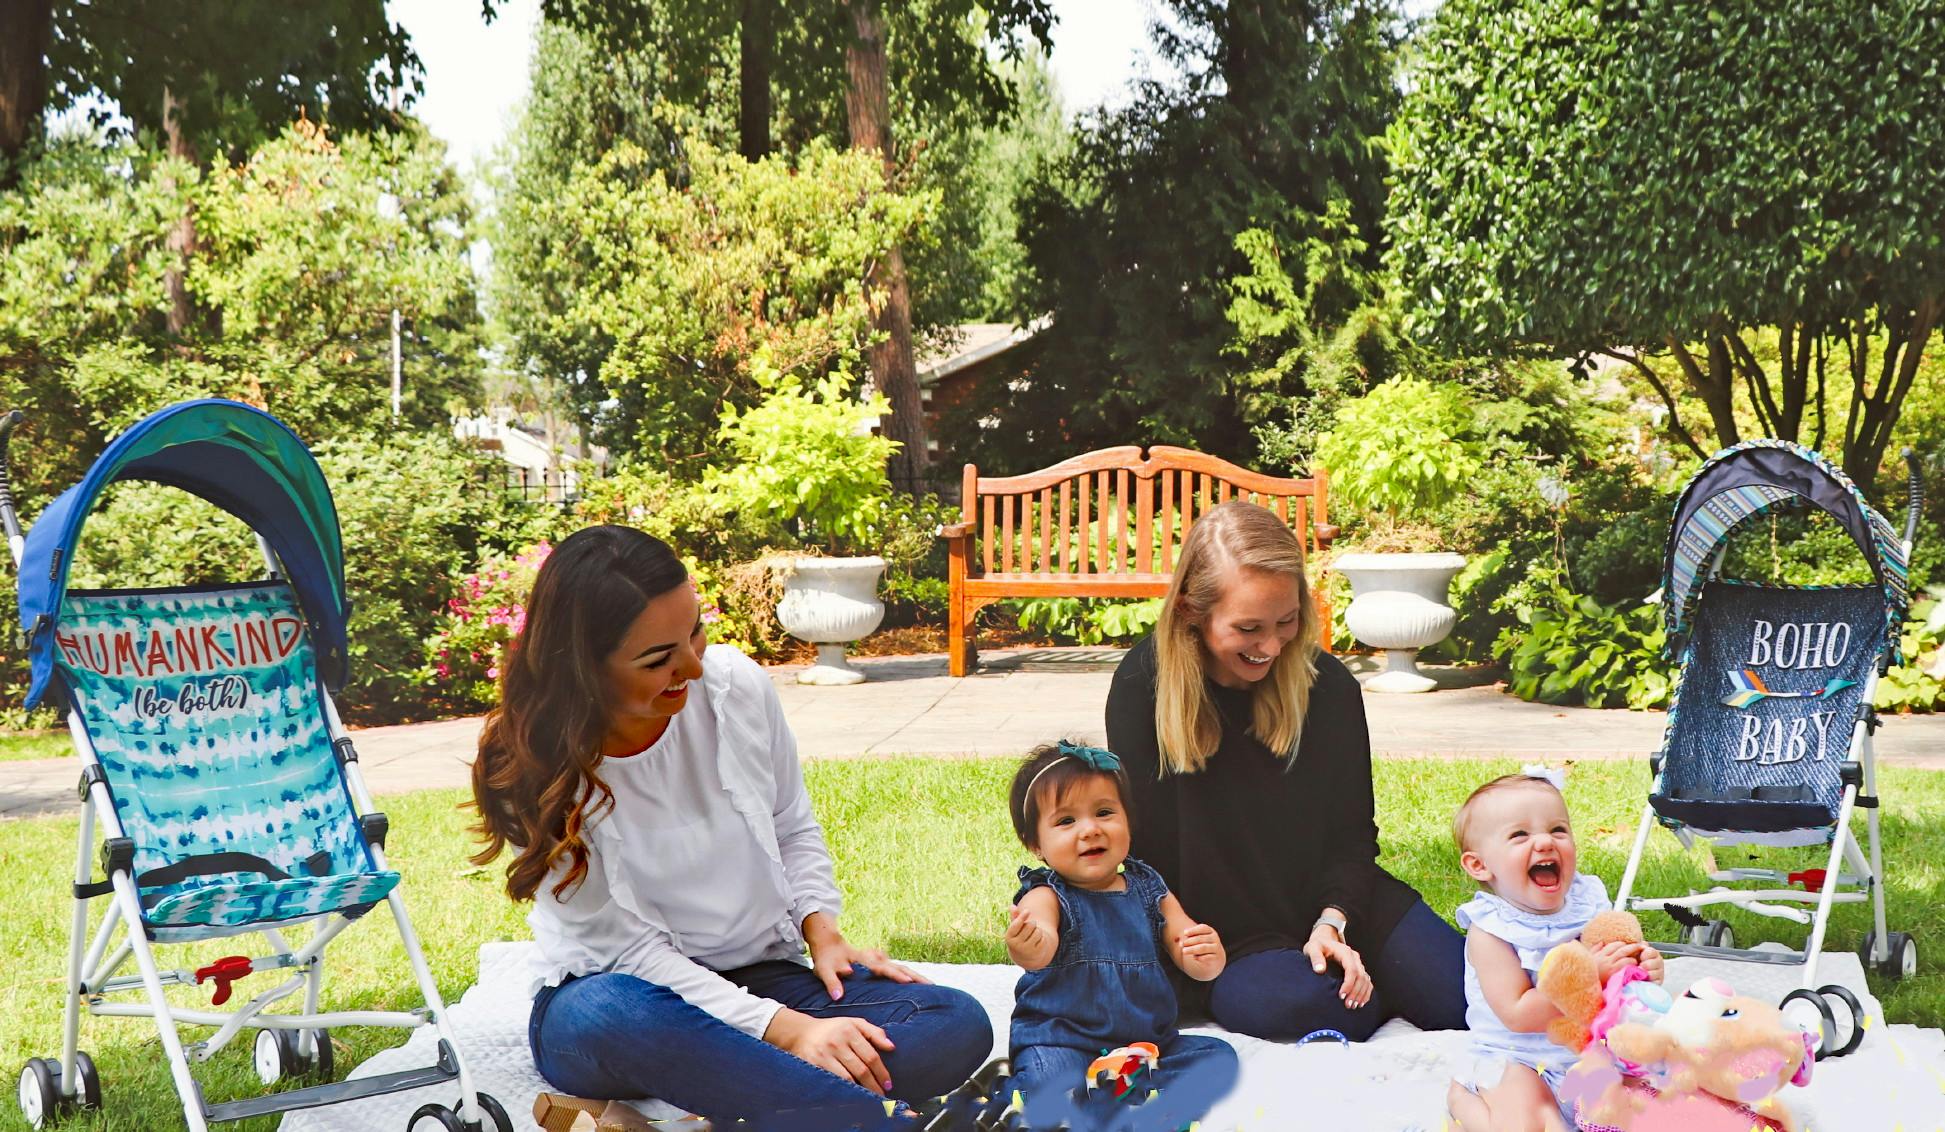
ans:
x=1332 y=919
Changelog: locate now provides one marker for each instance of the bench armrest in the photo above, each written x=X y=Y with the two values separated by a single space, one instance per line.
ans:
x=955 y=530
x=1326 y=534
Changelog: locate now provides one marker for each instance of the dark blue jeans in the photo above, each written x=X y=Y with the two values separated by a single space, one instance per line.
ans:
x=618 y=1037
x=1420 y=977
x=1195 y=1072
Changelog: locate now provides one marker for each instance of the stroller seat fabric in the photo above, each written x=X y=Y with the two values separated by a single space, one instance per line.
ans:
x=1770 y=692
x=227 y=905
x=204 y=710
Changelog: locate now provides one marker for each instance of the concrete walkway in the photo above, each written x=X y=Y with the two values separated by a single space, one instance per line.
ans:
x=1018 y=699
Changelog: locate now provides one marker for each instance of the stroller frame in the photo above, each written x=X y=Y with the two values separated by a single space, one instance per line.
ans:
x=93 y=977
x=1851 y=874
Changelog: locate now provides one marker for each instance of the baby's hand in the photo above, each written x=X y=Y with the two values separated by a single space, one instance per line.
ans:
x=1030 y=945
x=1203 y=956
x=1651 y=962
x=1611 y=956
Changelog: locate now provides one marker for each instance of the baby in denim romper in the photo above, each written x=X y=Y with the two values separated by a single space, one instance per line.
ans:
x=1091 y=929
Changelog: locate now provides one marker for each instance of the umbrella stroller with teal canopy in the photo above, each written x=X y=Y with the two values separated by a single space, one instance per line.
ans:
x=1768 y=740
x=228 y=794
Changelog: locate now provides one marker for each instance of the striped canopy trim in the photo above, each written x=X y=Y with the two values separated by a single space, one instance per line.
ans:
x=1709 y=526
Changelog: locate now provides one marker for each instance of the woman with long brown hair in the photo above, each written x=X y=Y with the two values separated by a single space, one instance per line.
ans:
x=1251 y=765
x=649 y=789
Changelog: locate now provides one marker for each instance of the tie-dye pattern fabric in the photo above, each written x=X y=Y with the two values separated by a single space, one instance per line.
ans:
x=203 y=708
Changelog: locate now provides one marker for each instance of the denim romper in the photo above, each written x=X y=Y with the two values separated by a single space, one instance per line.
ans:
x=1106 y=986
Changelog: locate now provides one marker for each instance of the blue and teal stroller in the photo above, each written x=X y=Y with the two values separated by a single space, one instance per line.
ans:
x=228 y=793
x=1768 y=739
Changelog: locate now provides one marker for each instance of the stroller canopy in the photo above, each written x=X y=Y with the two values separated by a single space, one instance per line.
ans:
x=1757 y=477
x=235 y=456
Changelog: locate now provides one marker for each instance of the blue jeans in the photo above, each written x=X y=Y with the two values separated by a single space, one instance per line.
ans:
x=1195 y=1072
x=619 y=1037
x=1419 y=976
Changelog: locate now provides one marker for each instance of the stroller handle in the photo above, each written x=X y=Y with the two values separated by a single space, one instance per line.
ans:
x=8 y=516
x=1914 y=497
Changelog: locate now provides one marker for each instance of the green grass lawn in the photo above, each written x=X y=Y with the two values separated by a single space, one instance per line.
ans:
x=926 y=857
x=35 y=745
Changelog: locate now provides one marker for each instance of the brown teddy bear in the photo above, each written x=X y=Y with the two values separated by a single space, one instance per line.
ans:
x=1716 y=1060
x=1570 y=978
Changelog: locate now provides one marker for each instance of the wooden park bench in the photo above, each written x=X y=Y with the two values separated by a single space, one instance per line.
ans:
x=1107 y=524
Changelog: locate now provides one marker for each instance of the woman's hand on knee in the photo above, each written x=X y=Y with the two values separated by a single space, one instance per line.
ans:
x=1325 y=948
x=847 y=1047
x=832 y=957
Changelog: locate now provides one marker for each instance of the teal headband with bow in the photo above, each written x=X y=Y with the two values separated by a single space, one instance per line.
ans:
x=1096 y=758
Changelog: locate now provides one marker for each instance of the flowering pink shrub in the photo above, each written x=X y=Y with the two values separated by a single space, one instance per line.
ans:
x=463 y=654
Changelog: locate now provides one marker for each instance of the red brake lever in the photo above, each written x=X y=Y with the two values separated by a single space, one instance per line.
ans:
x=224 y=971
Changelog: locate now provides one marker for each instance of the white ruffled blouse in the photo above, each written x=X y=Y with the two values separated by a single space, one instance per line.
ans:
x=635 y=916
x=1532 y=935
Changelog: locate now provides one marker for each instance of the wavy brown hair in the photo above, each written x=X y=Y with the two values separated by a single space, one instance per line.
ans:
x=535 y=783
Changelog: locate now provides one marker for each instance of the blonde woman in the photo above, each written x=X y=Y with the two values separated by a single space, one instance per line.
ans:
x=1250 y=762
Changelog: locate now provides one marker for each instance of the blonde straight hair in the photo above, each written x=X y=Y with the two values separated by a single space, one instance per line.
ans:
x=1226 y=539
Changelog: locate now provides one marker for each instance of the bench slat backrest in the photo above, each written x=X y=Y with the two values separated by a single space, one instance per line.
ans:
x=1120 y=511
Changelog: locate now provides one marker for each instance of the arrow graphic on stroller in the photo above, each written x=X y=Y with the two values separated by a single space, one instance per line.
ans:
x=1750 y=689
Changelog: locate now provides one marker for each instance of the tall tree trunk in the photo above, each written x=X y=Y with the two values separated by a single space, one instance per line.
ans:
x=24 y=29
x=1716 y=385
x=757 y=41
x=867 y=104
x=1875 y=411
x=182 y=240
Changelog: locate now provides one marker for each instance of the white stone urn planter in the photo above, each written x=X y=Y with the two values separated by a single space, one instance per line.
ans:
x=1398 y=605
x=831 y=602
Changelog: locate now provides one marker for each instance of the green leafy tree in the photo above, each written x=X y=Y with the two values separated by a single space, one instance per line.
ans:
x=200 y=75
x=933 y=52
x=972 y=264
x=295 y=260
x=1132 y=239
x=1690 y=184
x=582 y=103
x=587 y=98
x=690 y=281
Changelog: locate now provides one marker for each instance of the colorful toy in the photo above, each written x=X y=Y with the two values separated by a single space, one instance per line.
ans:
x=1118 y=1069
x=1570 y=979
x=1712 y=1059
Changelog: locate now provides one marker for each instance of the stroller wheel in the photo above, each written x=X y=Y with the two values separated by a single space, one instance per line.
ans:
x=273 y=1057
x=1900 y=961
x=87 y=1083
x=496 y=1120
x=1904 y=956
x=321 y=1063
x=434 y=1117
x=1824 y=1020
x=1842 y=994
x=280 y=1054
x=40 y=1092
x=1718 y=933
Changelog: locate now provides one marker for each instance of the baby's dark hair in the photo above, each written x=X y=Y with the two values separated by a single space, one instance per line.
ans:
x=1047 y=773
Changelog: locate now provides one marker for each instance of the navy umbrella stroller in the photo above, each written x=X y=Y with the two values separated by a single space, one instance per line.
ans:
x=1768 y=740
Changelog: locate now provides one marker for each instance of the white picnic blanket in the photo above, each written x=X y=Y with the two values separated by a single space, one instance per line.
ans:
x=1394 y=1082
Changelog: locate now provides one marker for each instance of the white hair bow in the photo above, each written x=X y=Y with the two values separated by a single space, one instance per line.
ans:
x=1551 y=775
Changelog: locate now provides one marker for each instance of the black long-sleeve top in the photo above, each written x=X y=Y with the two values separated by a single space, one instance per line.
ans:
x=1254 y=845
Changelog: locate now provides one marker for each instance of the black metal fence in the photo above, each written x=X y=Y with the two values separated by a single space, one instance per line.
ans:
x=557 y=486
